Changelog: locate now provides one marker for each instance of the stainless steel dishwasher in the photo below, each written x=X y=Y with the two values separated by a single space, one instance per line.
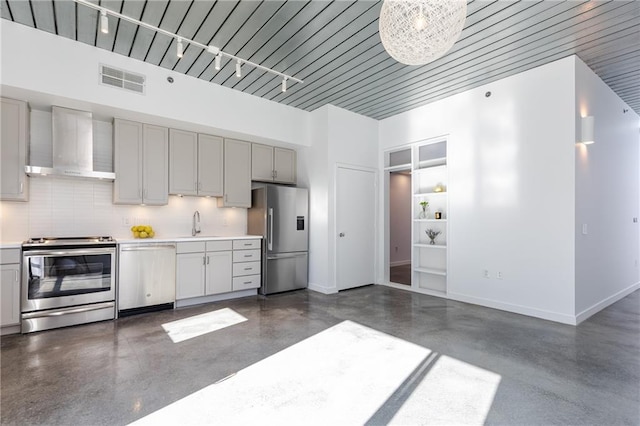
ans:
x=146 y=277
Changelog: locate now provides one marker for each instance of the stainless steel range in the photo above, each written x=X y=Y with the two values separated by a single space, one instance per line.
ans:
x=67 y=281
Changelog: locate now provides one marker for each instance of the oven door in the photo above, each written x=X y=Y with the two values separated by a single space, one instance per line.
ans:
x=67 y=277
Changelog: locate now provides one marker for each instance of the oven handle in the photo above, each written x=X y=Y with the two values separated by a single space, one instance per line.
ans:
x=67 y=311
x=69 y=252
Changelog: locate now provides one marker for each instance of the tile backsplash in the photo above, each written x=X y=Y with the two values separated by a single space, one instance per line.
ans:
x=68 y=207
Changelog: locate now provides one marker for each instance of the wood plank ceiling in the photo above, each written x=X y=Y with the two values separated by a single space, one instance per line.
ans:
x=335 y=48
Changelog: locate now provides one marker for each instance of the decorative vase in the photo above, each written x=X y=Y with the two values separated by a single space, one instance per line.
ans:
x=423 y=213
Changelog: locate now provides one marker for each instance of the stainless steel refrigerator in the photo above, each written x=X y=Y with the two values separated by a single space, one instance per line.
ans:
x=281 y=215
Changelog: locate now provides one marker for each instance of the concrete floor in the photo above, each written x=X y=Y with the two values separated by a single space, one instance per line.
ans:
x=119 y=371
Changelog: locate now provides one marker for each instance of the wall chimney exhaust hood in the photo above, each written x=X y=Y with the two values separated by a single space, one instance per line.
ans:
x=72 y=147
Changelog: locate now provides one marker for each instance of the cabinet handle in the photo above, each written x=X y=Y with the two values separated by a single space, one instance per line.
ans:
x=247 y=282
x=16 y=271
x=207 y=260
x=21 y=187
x=248 y=255
x=248 y=269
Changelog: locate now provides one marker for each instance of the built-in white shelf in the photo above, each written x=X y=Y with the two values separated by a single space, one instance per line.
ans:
x=431 y=271
x=428 y=194
x=439 y=246
x=429 y=220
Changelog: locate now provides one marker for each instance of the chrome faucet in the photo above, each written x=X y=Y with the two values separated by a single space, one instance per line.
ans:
x=196 y=224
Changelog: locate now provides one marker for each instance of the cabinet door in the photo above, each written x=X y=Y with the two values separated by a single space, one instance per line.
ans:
x=284 y=161
x=14 y=125
x=183 y=162
x=219 y=272
x=127 y=159
x=237 y=174
x=190 y=269
x=155 y=165
x=9 y=295
x=261 y=162
x=210 y=166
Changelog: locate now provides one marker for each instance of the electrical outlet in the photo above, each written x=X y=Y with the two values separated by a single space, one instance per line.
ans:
x=486 y=273
x=499 y=275
x=126 y=221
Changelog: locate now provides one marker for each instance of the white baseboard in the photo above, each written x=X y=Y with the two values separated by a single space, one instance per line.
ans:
x=518 y=309
x=400 y=263
x=606 y=302
x=322 y=289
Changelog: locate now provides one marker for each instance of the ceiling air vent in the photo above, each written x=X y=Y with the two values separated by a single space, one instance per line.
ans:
x=126 y=80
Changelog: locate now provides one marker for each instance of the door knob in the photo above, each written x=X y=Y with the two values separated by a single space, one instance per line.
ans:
x=341 y=234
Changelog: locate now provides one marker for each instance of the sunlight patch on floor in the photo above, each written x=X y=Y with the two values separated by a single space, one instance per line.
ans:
x=188 y=328
x=348 y=374
x=453 y=392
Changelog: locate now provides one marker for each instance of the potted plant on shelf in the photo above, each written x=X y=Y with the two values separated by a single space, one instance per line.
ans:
x=424 y=212
x=432 y=234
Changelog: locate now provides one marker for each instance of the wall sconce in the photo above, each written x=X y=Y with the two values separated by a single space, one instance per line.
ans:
x=587 y=136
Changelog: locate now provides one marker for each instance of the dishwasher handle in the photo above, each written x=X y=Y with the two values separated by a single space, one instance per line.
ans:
x=152 y=247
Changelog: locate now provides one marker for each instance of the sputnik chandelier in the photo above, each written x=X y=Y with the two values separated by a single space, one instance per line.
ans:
x=416 y=32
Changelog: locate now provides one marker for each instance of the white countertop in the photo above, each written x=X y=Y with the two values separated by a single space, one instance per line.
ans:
x=130 y=240
x=186 y=239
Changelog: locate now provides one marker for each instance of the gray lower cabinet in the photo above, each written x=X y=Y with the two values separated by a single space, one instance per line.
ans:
x=246 y=264
x=196 y=164
x=14 y=126
x=9 y=287
x=203 y=268
x=141 y=163
x=237 y=174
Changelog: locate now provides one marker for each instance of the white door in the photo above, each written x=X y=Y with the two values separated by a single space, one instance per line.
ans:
x=355 y=226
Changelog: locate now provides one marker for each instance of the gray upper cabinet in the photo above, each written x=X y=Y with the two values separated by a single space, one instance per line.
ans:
x=210 y=166
x=141 y=163
x=284 y=165
x=196 y=164
x=183 y=162
x=272 y=164
x=13 y=150
x=237 y=174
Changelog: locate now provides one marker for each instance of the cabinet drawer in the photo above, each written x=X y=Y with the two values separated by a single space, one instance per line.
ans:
x=244 y=283
x=246 y=268
x=219 y=245
x=9 y=256
x=246 y=255
x=246 y=244
x=190 y=247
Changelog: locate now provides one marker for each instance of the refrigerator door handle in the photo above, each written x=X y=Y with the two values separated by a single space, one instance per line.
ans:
x=270 y=237
x=286 y=256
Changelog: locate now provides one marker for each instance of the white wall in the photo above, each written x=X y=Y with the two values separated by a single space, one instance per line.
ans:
x=46 y=69
x=400 y=202
x=511 y=188
x=607 y=196
x=338 y=137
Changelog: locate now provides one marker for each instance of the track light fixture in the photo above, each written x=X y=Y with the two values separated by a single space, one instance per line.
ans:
x=284 y=84
x=215 y=51
x=179 y=48
x=104 y=22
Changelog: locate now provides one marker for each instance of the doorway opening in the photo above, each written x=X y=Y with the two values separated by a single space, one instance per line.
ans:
x=400 y=226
